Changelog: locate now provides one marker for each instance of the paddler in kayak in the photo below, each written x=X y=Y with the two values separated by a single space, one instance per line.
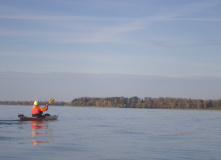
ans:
x=37 y=111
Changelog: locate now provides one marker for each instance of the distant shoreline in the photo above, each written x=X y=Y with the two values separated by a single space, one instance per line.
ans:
x=202 y=109
x=133 y=102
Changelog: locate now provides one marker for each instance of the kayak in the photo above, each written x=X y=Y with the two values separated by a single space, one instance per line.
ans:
x=54 y=117
x=46 y=118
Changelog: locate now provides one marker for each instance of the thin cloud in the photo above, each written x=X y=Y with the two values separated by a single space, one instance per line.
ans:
x=62 y=18
x=167 y=44
x=112 y=32
x=198 y=19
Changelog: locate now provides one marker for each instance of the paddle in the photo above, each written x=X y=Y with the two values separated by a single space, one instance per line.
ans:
x=51 y=101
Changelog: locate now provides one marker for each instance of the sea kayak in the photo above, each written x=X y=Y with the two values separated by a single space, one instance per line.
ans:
x=46 y=118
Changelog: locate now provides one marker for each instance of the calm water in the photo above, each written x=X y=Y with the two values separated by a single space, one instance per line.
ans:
x=107 y=133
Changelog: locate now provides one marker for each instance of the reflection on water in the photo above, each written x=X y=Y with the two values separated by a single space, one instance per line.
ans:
x=36 y=142
x=38 y=128
x=38 y=125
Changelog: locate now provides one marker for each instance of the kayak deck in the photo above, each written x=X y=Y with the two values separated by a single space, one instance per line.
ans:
x=54 y=117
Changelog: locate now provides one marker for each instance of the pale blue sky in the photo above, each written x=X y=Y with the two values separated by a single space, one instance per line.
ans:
x=168 y=38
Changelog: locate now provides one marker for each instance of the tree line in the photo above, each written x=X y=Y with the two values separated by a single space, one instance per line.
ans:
x=30 y=103
x=133 y=102
x=147 y=102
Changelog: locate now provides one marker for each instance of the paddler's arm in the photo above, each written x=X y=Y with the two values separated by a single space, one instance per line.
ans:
x=44 y=109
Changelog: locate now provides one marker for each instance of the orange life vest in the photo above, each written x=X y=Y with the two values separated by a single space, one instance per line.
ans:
x=35 y=110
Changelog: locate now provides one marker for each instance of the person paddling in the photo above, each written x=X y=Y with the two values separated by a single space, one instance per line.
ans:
x=37 y=111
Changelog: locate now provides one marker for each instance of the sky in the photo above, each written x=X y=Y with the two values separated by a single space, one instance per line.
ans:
x=67 y=49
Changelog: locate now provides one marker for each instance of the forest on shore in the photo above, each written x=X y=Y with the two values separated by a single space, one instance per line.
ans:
x=133 y=102
x=148 y=102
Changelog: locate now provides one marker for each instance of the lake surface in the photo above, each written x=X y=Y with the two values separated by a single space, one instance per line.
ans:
x=111 y=133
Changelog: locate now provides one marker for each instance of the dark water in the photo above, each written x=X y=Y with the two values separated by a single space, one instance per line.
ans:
x=107 y=134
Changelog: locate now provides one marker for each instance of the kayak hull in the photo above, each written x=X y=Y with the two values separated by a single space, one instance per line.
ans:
x=46 y=118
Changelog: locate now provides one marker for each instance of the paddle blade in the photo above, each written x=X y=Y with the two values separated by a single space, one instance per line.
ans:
x=51 y=101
